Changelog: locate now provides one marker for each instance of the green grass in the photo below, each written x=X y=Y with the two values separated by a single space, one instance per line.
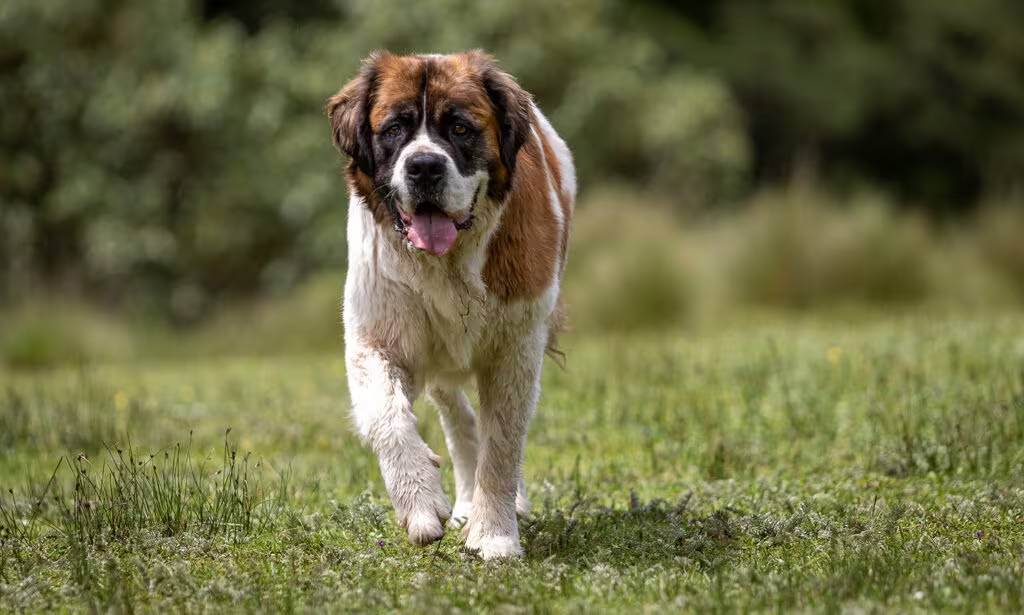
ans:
x=872 y=463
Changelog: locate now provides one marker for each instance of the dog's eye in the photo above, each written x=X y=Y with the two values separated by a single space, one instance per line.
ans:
x=459 y=129
x=392 y=131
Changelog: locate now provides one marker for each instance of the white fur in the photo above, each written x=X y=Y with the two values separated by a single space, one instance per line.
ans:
x=416 y=322
x=562 y=153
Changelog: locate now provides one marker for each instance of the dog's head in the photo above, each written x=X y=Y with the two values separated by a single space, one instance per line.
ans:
x=431 y=138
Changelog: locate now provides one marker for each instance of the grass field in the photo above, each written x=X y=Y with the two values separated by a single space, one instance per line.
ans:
x=855 y=464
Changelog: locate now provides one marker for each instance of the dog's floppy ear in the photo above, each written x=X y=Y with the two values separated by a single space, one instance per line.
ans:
x=349 y=112
x=512 y=106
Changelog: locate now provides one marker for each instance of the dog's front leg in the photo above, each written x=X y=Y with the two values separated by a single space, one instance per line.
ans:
x=509 y=387
x=382 y=397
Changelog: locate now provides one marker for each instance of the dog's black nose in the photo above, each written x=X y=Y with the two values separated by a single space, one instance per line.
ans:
x=425 y=168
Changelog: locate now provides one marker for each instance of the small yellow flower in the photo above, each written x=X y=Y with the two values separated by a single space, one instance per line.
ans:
x=834 y=354
x=120 y=401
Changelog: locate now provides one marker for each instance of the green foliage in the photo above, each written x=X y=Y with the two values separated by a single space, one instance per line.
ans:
x=812 y=465
x=166 y=162
x=45 y=331
x=1000 y=239
x=635 y=263
x=627 y=269
x=796 y=249
x=308 y=318
x=167 y=156
x=923 y=97
x=166 y=159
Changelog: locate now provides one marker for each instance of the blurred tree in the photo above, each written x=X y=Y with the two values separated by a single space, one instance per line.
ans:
x=924 y=97
x=144 y=150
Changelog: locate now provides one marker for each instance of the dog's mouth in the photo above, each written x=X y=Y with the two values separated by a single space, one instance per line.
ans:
x=430 y=229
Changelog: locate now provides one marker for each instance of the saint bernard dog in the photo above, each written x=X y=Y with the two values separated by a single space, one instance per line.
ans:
x=461 y=194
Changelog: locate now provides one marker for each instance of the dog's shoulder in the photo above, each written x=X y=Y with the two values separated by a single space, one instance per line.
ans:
x=528 y=250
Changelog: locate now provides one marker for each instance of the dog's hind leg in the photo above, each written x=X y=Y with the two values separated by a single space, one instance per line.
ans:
x=509 y=388
x=460 y=433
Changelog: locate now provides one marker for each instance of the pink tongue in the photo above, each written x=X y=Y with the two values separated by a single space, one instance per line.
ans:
x=432 y=231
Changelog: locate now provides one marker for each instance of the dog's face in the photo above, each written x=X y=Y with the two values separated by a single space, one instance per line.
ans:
x=432 y=140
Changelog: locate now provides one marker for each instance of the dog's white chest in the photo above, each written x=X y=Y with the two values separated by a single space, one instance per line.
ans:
x=455 y=305
x=435 y=314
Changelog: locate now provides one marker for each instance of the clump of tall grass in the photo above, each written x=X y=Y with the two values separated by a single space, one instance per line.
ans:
x=169 y=493
x=19 y=525
x=164 y=492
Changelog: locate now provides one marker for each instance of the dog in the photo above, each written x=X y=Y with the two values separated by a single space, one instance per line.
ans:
x=461 y=197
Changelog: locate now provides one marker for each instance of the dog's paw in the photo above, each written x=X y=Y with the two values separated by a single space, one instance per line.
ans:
x=495 y=547
x=424 y=528
x=460 y=514
x=491 y=544
x=425 y=523
x=423 y=511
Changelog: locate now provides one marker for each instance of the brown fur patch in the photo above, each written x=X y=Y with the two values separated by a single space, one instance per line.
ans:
x=457 y=80
x=348 y=111
x=399 y=83
x=524 y=252
x=564 y=199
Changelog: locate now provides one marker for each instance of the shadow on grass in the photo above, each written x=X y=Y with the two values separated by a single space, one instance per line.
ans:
x=644 y=533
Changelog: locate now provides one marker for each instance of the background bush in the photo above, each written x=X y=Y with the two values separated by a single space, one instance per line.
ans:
x=796 y=248
x=629 y=268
